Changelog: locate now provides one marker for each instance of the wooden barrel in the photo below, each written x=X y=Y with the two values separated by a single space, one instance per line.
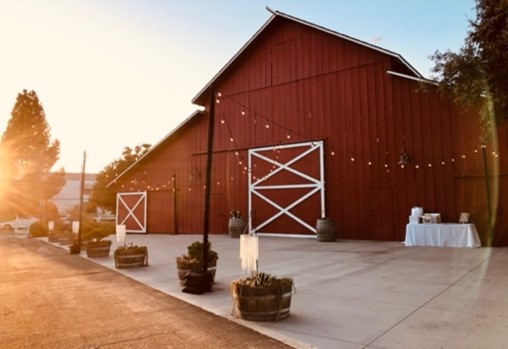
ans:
x=236 y=227
x=131 y=260
x=261 y=304
x=183 y=271
x=97 y=251
x=325 y=229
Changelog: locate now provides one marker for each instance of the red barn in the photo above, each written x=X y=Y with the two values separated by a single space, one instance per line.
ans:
x=310 y=123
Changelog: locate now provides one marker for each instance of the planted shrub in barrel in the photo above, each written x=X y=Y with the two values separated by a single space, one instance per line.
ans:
x=131 y=256
x=325 y=229
x=262 y=297
x=193 y=261
x=236 y=225
x=97 y=247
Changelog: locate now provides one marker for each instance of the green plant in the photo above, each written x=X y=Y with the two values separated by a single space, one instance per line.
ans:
x=97 y=233
x=129 y=249
x=235 y=214
x=39 y=229
x=194 y=256
x=264 y=280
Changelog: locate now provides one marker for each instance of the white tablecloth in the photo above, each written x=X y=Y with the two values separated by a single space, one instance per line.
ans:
x=449 y=235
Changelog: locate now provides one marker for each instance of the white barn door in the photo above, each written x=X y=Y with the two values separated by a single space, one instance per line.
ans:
x=131 y=210
x=285 y=180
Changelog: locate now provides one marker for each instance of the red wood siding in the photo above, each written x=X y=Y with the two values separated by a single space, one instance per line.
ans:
x=295 y=83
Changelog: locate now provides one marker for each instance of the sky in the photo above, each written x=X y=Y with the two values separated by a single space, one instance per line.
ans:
x=117 y=73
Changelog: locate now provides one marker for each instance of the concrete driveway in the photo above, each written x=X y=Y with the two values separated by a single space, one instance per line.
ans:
x=355 y=294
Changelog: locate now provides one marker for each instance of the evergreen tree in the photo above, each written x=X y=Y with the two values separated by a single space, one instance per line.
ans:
x=106 y=198
x=27 y=157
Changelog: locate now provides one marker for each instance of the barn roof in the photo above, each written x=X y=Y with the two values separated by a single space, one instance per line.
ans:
x=201 y=97
x=155 y=146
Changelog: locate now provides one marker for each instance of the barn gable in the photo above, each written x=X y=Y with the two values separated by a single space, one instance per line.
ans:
x=294 y=45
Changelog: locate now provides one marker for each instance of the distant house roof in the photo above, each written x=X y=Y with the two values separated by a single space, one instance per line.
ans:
x=201 y=97
x=76 y=176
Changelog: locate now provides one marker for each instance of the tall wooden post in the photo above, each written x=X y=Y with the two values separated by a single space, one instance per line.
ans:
x=198 y=283
x=81 y=192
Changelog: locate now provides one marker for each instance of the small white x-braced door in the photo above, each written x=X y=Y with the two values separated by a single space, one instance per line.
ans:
x=286 y=185
x=131 y=211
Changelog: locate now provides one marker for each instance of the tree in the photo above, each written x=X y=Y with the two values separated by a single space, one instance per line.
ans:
x=478 y=73
x=27 y=157
x=103 y=197
x=478 y=76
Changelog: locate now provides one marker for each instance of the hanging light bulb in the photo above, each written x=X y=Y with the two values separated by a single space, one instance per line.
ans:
x=267 y=125
x=288 y=136
x=243 y=111
x=231 y=139
x=222 y=121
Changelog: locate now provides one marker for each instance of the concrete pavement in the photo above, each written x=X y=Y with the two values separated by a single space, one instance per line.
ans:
x=354 y=294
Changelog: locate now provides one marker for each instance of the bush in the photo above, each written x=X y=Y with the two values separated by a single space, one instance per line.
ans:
x=97 y=231
x=39 y=229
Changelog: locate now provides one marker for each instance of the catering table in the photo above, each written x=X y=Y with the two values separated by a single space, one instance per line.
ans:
x=442 y=234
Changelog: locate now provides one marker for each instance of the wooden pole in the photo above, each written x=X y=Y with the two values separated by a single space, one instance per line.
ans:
x=175 y=221
x=208 y=177
x=198 y=283
x=490 y=229
x=81 y=191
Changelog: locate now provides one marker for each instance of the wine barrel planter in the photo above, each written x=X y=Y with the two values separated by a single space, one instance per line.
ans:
x=65 y=239
x=98 y=249
x=261 y=303
x=184 y=269
x=325 y=228
x=136 y=258
x=236 y=227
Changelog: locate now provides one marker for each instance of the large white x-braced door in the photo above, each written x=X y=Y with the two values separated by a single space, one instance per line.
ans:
x=310 y=184
x=131 y=211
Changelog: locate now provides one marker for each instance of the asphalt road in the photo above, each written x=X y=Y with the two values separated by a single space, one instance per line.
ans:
x=51 y=299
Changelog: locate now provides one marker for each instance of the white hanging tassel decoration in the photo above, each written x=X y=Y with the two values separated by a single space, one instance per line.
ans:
x=120 y=233
x=249 y=252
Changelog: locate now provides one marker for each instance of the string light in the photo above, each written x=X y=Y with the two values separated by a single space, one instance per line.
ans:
x=290 y=133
